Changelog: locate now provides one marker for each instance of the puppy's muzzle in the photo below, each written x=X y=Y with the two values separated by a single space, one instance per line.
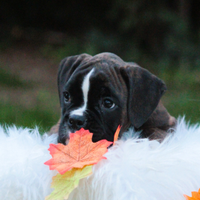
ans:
x=76 y=122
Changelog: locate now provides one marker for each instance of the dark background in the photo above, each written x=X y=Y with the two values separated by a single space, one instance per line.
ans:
x=162 y=36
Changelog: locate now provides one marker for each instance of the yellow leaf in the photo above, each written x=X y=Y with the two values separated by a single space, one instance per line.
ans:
x=64 y=184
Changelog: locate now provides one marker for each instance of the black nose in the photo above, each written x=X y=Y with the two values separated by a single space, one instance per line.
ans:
x=76 y=121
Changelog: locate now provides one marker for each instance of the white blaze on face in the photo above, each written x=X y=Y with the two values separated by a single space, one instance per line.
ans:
x=85 y=90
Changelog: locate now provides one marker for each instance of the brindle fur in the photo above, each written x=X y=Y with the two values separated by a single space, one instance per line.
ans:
x=141 y=89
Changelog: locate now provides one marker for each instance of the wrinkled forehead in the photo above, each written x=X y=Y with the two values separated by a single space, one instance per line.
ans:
x=107 y=82
x=98 y=80
x=104 y=71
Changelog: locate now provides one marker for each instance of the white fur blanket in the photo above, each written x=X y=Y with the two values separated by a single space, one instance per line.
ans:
x=134 y=169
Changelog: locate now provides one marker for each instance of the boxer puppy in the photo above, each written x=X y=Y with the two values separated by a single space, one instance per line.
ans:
x=100 y=92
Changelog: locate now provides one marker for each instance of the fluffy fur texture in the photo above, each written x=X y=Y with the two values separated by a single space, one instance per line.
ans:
x=23 y=175
x=135 y=169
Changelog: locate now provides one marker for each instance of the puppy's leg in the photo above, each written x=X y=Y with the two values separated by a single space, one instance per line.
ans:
x=54 y=129
x=159 y=124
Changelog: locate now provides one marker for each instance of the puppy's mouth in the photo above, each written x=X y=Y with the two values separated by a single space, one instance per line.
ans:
x=63 y=135
x=66 y=141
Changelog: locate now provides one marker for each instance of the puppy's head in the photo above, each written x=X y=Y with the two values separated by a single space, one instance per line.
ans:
x=101 y=92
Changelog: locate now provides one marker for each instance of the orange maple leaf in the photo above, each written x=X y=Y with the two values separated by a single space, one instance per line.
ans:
x=117 y=134
x=79 y=152
x=195 y=196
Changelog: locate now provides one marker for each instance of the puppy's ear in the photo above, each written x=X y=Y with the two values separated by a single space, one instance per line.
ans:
x=67 y=66
x=144 y=93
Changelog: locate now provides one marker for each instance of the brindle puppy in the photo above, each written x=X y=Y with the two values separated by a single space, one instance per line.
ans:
x=100 y=92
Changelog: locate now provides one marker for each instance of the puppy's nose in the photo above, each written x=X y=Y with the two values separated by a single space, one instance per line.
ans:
x=76 y=121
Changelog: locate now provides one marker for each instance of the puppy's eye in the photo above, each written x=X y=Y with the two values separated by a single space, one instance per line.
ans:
x=107 y=103
x=66 y=96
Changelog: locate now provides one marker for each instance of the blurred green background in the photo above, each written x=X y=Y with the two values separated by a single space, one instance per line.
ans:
x=162 y=36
